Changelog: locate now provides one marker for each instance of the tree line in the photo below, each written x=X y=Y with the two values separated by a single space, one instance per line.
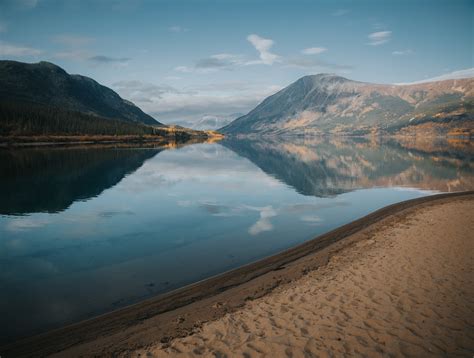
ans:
x=25 y=119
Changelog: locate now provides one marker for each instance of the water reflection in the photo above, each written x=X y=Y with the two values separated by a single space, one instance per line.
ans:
x=213 y=206
x=329 y=166
x=50 y=180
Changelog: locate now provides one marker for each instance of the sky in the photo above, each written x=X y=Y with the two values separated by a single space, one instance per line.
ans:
x=202 y=63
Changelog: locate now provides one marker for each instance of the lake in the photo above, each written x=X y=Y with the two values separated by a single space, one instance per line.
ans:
x=87 y=230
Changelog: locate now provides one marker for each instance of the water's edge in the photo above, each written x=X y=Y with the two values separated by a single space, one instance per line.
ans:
x=116 y=321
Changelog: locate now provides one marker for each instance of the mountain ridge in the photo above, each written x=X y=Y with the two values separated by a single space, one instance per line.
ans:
x=328 y=103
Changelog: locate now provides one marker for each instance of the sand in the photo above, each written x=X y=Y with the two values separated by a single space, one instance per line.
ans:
x=398 y=282
x=405 y=290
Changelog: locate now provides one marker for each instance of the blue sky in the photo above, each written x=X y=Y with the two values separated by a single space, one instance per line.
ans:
x=200 y=62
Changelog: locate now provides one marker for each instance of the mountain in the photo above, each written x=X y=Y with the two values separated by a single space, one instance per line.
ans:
x=328 y=103
x=45 y=83
x=41 y=99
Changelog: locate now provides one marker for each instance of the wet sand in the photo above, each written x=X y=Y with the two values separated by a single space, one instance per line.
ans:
x=399 y=282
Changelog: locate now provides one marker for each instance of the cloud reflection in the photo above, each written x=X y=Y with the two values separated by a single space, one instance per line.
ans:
x=263 y=224
x=26 y=224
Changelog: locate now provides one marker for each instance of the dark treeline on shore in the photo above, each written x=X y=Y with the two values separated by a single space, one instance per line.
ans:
x=24 y=119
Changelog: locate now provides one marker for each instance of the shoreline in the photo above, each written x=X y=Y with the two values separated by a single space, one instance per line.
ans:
x=162 y=318
x=405 y=289
x=75 y=140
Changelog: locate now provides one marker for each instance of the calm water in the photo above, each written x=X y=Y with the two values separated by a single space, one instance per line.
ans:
x=86 y=231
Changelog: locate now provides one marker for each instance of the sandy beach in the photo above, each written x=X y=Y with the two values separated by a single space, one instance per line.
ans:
x=404 y=289
x=399 y=282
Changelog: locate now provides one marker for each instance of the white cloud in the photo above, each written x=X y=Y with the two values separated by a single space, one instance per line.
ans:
x=263 y=46
x=229 y=61
x=194 y=106
x=202 y=106
x=101 y=59
x=313 y=50
x=85 y=55
x=75 y=49
x=455 y=75
x=142 y=91
x=219 y=61
x=379 y=38
x=177 y=29
x=7 y=49
x=402 y=52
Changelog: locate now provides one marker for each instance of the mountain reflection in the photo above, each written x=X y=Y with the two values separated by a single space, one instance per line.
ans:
x=50 y=180
x=329 y=166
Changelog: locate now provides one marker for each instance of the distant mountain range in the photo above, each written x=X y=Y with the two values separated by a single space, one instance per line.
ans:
x=327 y=103
x=212 y=122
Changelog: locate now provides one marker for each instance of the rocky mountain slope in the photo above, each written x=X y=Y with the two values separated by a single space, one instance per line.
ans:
x=45 y=84
x=327 y=103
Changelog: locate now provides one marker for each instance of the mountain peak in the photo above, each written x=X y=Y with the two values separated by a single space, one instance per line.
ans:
x=325 y=77
x=319 y=81
x=45 y=65
x=48 y=64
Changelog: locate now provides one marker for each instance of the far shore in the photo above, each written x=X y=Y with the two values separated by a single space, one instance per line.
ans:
x=71 y=140
x=265 y=291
